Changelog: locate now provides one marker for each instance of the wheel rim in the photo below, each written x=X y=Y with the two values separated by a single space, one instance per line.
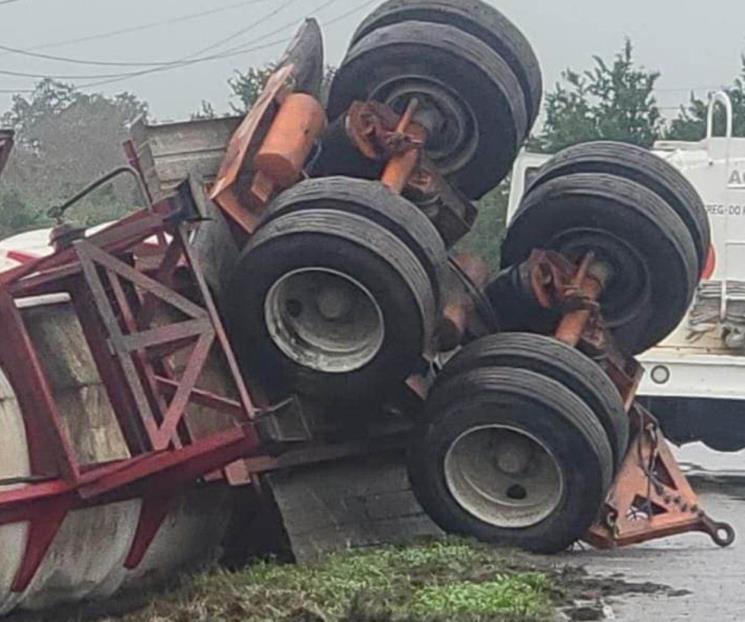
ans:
x=324 y=320
x=504 y=476
x=449 y=119
x=629 y=288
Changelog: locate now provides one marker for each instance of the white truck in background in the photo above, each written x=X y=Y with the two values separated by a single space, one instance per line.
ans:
x=695 y=380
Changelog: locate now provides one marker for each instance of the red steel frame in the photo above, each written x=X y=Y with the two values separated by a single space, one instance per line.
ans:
x=115 y=291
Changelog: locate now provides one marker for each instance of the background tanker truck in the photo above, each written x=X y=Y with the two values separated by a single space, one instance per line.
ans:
x=695 y=381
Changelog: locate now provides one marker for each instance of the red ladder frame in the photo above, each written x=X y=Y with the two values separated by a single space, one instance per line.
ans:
x=116 y=280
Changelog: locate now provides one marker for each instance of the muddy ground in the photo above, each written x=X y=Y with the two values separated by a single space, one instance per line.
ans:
x=704 y=583
x=685 y=578
x=537 y=588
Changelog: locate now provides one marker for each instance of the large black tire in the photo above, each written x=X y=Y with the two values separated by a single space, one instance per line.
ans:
x=644 y=167
x=516 y=400
x=556 y=360
x=477 y=18
x=648 y=247
x=374 y=201
x=473 y=86
x=391 y=288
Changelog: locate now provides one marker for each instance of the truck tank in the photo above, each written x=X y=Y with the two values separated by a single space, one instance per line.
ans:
x=86 y=560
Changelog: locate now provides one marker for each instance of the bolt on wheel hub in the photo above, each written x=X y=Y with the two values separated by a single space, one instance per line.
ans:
x=324 y=320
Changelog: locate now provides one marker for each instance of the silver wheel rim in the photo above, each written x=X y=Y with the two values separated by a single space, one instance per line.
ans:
x=324 y=320
x=504 y=476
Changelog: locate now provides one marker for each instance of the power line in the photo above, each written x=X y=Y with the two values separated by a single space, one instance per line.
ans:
x=141 y=27
x=184 y=64
x=235 y=51
x=78 y=61
x=249 y=28
x=127 y=76
x=30 y=53
x=167 y=64
x=119 y=77
x=226 y=54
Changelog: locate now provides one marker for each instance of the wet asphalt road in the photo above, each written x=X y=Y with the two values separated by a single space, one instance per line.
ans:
x=714 y=578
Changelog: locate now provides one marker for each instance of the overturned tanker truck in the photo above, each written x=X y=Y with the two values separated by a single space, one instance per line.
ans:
x=289 y=296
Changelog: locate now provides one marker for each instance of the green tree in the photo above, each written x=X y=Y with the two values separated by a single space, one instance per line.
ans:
x=248 y=86
x=48 y=99
x=613 y=101
x=16 y=214
x=64 y=139
x=690 y=123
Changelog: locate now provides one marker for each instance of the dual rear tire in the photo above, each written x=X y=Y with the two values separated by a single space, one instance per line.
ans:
x=338 y=292
x=473 y=73
x=521 y=441
x=641 y=220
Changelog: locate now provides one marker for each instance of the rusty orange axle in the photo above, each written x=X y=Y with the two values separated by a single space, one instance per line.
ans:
x=651 y=498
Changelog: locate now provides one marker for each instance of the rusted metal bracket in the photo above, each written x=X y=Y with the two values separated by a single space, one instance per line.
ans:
x=268 y=151
x=382 y=135
x=652 y=498
x=556 y=284
x=379 y=133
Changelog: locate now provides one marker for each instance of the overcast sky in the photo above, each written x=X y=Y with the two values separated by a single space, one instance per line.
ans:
x=694 y=44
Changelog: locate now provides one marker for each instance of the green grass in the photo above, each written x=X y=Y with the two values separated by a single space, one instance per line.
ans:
x=449 y=581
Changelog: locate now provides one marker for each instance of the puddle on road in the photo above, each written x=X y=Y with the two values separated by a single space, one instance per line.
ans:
x=594 y=596
x=720 y=480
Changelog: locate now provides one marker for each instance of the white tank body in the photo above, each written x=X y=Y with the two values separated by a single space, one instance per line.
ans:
x=86 y=560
